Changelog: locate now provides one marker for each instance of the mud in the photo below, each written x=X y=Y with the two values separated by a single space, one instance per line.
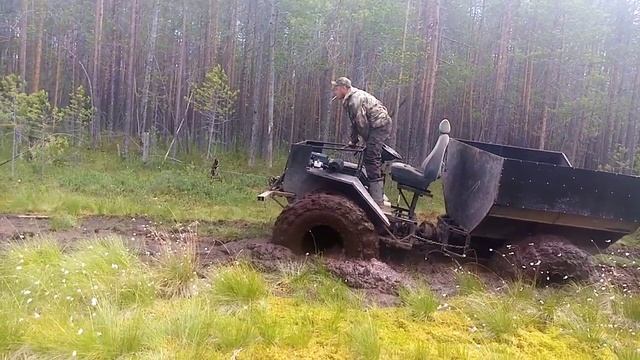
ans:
x=368 y=274
x=379 y=280
x=546 y=259
x=21 y=227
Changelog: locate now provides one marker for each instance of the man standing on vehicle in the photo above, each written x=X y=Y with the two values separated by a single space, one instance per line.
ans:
x=370 y=121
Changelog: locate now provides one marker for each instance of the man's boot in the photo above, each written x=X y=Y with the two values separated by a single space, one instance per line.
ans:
x=376 y=189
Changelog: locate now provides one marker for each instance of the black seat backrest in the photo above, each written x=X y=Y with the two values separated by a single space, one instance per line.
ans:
x=432 y=165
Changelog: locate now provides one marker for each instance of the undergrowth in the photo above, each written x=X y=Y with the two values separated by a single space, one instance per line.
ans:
x=98 y=300
x=99 y=183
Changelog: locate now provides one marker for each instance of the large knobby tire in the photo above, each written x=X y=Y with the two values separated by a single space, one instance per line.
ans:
x=543 y=259
x=326 y=223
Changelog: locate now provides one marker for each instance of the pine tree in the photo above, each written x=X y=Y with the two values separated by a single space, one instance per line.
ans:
x=215 y=100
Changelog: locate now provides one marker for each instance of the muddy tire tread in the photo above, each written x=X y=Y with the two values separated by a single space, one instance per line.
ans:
x=360 y=239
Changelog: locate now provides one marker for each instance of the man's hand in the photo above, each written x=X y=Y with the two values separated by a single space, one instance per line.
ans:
x=352 y=144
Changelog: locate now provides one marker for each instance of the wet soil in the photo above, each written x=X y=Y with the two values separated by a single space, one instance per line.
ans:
x=548 y=259
x=380 y=279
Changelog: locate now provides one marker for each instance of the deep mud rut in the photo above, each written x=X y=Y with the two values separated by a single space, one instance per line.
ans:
x=379 y=279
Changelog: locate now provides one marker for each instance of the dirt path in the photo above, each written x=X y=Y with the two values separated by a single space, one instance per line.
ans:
x=380 y=279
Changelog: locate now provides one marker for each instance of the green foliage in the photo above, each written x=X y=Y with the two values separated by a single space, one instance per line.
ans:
x=178 y=269
x=62 y=222
x=97 y=300
x=215 y=99
x=364 y=341
x=631 y=308
x=79 y=109
x=501 y=316
x=617 y=160
x=421 y=302
x=238 y=284
x=74 y=118
x=27 y=115
x=583 y=320
x=630 y=352
x=28 y=112
x=469 y=283
x=310 y=282
x=101 y=184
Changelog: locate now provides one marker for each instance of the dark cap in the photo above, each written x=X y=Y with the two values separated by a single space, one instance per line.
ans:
x=342 y=81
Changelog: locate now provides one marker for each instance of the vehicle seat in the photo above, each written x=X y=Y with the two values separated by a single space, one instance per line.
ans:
x=429 y=171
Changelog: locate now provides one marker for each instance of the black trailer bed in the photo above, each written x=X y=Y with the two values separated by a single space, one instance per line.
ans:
x=506 y=193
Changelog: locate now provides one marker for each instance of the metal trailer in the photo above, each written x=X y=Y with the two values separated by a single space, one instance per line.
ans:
x=502 y=193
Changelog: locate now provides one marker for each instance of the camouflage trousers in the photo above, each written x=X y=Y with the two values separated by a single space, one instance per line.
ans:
x=372 y=157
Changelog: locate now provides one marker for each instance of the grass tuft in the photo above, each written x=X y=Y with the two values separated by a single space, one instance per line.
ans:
x=177 y=270
x=469 y=283
x=501 y=316
x=627 y=353
x=421 y=302
x=189 y=328
x=62 y=222
x=310 y=282
x=238 y=284
x=364 y=341
x=583 y=320
x=631 y=308
x=11 y=329
x=104 y=333
x=231 y=333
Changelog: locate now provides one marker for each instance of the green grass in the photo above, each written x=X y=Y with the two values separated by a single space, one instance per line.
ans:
x=238 y=284
x=62 y=222
x=364 y=340
x=631 y=308
x=469 y=283
x=420 y=302
x=99 y=301
x=178 y=270
x=614 y=260
x=501 y=316
x=98 y=183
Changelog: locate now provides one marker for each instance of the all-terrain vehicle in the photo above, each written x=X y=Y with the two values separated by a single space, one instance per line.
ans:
x=498 y=198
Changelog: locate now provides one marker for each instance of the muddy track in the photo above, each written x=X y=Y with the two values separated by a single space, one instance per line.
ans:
x=379 y=279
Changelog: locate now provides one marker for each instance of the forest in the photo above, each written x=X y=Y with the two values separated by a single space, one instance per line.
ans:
x=145 y=213
x=200 y=76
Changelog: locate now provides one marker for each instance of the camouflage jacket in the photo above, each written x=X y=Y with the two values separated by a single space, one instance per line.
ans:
x=365 y=112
